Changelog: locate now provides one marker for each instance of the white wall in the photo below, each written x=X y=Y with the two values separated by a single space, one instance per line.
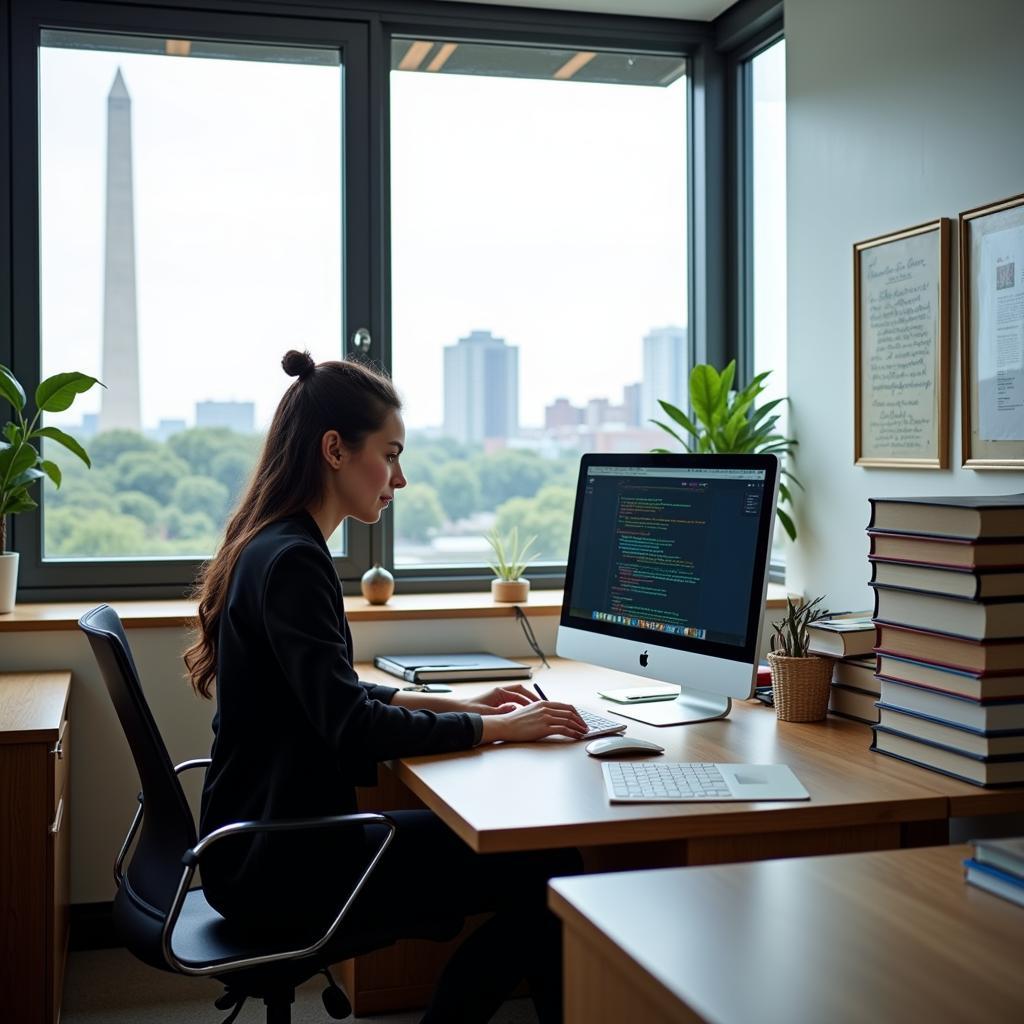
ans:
x=898 y=112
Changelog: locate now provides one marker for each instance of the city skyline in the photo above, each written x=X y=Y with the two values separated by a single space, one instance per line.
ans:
x=563 y=266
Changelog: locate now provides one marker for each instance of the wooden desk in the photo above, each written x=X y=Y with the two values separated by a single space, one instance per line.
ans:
x=877 y=937
x=544 y=795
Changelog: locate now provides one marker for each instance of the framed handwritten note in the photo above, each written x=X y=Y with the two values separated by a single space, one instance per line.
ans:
x=901 y=348
x=992 y=334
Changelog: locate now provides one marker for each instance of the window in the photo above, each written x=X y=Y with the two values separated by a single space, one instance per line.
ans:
x=768 y=159
x=539 y=261
x=768 y=90
x=506 y=201
x=188 y=224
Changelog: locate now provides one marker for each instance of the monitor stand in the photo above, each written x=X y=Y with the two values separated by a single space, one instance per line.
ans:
x=690 y=706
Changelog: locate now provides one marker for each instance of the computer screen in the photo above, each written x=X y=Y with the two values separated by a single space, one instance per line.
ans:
x=667 y=567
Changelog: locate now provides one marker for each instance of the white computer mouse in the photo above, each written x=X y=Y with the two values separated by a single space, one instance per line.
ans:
x=613 y=746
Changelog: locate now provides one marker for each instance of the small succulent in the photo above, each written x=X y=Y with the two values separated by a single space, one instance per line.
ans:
x=789 y=635
x=510 y=556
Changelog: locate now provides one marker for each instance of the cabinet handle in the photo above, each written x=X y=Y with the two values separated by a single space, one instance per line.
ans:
x=58 y=818
x=58 y=749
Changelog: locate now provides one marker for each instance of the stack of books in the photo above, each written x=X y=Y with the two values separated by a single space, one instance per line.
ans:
x=948 y=576
x=998 y=866
x=850 y=639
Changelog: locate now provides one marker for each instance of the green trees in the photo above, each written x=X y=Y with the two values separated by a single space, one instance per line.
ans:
x=547 y=516
x=144 y=498
x=458 y=489
x=418 y=512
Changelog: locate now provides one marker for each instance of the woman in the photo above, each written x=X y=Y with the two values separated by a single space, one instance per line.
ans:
x=295 y=730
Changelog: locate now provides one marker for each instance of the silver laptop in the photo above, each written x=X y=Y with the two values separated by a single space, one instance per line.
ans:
x=643 y=782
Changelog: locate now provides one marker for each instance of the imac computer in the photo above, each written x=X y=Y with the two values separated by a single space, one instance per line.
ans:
x=667 y=572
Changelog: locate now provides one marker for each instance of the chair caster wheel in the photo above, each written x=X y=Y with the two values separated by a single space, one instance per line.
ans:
x=336 y=1003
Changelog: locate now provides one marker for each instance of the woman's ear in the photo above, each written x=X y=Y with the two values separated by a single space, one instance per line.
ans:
x=332 y=448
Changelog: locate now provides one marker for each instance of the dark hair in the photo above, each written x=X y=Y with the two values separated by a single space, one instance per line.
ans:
x=349 y=397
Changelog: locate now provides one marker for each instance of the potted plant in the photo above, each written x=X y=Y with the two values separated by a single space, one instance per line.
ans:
x=21 y=464
x=800 y=681
x=729 y=422
x=510 y=561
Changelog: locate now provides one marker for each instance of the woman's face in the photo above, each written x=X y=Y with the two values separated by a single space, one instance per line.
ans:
x=368 y=477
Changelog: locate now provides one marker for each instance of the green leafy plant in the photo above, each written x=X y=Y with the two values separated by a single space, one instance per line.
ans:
x=510 y=556
x=730 y=422
x=789 y=635
x=21 y=464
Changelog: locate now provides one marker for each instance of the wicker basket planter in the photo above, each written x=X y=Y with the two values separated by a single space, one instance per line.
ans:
x=800 y=687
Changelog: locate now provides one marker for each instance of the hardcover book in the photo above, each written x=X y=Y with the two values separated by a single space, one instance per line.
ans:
x=977 y=770
x=997 y=882
x=956 y=616
x=857 y=673
x=1005 y=854
x=990 y=716
x=855 y=704
x=956 y=737
x=968 y=517
x=980 y=656
x=843 y=636
x=977 y=686
x=974 y=584
x=948 y=552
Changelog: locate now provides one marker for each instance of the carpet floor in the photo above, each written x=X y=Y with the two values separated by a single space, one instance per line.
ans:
x=109 y=986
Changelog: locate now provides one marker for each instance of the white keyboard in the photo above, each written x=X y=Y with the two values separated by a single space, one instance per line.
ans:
x=678 y=782
x=600 y=725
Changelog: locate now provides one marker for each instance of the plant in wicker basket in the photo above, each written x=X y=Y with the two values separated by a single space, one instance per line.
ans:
x=800 y=681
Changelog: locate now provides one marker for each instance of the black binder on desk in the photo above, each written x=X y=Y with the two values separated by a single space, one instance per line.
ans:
x=451 y=668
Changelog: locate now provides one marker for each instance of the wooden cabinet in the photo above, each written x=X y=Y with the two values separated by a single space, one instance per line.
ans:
x=35 y=828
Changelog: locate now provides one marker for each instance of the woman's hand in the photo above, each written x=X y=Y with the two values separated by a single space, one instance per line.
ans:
x=501 y=700
x=533 y=721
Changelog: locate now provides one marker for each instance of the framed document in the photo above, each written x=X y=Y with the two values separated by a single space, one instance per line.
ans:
x=901 y=348
x=992 y=335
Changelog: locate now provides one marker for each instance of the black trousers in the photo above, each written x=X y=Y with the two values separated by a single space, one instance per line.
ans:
x=428 y=874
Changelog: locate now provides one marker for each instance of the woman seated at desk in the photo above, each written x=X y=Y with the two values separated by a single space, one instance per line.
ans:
x=295 y=730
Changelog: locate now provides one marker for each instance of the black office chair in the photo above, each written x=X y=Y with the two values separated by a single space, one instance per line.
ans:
x=169 y=925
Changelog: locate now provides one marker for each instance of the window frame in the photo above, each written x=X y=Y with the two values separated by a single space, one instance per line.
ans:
x=161 y=577
x=710 y=48
x=745 y=31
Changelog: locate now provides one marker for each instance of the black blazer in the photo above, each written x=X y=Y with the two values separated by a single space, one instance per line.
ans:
x=295 y=729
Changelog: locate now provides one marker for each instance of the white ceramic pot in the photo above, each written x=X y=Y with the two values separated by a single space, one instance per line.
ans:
x=8 y=580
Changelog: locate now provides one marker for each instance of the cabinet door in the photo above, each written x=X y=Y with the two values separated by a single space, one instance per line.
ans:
x=60 y=894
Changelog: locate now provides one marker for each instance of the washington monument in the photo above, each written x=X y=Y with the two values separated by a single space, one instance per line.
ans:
x=120 y=402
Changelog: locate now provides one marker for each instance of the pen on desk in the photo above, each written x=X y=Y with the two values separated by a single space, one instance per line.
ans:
x=540 y=692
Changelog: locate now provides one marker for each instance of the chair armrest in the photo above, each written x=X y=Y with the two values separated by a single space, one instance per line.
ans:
x=191 y=859
x=195 y=762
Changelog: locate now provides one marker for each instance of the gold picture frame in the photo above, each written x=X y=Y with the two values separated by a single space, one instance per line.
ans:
x=901 y=348
x=992 y=335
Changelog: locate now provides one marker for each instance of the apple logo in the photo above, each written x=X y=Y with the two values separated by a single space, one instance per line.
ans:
x=643 y=660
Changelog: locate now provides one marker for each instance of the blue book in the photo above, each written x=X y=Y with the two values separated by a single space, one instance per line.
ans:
x=997 y=882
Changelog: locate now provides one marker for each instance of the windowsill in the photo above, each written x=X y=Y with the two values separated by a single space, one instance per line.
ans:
x=58 y=615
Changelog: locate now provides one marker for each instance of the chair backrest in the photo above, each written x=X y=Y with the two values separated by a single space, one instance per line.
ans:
x=168 y=829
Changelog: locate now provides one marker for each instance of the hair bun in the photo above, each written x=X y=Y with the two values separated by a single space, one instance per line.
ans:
x=298 y=364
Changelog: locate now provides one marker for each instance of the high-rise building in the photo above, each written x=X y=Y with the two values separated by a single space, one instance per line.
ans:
x=481 y=388
x=237 y=416
x=632 y=396
x=120 y=405
x=666 y=371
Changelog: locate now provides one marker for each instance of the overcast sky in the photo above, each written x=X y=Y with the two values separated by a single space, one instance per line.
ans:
x=550 y=213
